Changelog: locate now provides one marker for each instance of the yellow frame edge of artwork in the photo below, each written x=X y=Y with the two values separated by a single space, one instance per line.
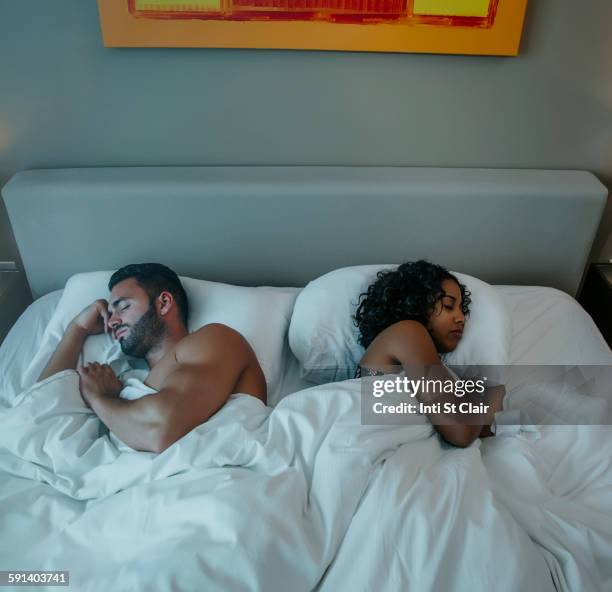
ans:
x=120 y=29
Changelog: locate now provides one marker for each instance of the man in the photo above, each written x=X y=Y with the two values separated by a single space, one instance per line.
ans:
x=193 y=374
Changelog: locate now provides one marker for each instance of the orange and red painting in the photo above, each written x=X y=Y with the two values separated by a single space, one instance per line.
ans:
x=433 y=26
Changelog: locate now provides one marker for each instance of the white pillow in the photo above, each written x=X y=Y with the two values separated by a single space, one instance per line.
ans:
x=324 y=338
x=260 y=314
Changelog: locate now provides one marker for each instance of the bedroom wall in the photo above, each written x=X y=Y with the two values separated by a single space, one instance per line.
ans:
x=65 y=101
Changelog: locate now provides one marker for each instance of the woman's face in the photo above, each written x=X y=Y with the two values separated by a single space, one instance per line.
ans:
x=445 y=324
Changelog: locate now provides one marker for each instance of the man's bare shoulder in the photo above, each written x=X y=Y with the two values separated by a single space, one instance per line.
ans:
x=211 y=343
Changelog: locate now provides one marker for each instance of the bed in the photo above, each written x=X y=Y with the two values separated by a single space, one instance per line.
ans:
x=312 y=499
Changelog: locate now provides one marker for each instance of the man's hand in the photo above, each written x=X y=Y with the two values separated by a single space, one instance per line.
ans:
x=98 y=380
x=94 y=318
x=90 y=321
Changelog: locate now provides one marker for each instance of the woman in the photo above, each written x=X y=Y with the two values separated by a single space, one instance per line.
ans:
x=409 y=317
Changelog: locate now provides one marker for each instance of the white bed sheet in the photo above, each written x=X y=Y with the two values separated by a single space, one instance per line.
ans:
x=551 y=328
x=22 y=342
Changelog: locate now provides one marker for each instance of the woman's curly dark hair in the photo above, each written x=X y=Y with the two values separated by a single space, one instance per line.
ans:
x=409 y=292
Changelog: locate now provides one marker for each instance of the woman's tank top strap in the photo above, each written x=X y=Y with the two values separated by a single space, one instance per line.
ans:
x=363 y=371
x=359 y=372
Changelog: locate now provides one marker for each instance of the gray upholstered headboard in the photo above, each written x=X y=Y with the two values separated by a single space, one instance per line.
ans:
x=287 y=225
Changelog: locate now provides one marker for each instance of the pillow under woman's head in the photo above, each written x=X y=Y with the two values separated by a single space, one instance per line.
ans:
x=418 y=291
x=325 y=338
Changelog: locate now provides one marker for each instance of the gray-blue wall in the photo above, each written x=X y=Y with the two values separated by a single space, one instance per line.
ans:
x=67 y=101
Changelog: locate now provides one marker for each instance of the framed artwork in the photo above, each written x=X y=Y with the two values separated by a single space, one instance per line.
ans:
x=485 y=27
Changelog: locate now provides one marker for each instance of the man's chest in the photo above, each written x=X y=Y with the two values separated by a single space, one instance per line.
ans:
x=156 y=379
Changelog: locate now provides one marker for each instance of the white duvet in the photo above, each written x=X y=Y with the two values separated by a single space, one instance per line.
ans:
x=303 y=496
x=254 y=499
x=300 y=497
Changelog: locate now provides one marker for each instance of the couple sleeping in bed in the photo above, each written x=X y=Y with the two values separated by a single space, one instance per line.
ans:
x=407 y=318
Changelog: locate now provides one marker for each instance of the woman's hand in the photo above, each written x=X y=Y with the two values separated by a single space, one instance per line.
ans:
x=495 y=400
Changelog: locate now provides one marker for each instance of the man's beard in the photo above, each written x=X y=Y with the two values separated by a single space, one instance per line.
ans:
x=143 y=335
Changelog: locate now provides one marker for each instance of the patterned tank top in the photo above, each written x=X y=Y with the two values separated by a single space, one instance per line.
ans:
x=359 y=372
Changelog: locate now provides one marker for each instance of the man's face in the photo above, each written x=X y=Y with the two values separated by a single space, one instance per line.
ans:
x=134 y=320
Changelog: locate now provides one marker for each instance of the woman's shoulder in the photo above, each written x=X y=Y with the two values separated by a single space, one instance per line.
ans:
x=405 y=340
x=403 y=329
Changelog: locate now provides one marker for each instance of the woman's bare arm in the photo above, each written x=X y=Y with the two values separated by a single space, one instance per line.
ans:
x=408 y=343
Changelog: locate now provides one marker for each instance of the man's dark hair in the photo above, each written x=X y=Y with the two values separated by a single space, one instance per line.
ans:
x=154 y=278
x=409 y=292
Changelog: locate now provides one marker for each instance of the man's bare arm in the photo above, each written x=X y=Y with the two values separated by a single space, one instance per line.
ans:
x=209 y=368
x=89 y=321
x=154 y=422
